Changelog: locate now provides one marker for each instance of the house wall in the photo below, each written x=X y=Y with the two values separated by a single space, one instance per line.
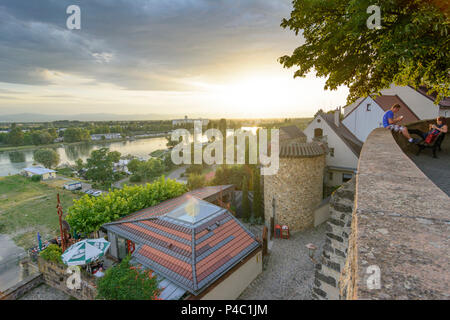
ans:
x=423 y=107
x=231 y=287
x=343 y=156
x=337 y=179
x=361 y=122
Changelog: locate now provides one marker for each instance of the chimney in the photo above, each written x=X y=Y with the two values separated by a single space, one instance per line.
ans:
x=337 y=116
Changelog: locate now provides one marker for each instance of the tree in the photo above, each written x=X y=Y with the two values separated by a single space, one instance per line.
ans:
x=127 y=282
x=100 y=166
x=246 y=212
x=76 y=135
x=257 y=195
x=410 y=48
x=15 y=136
x=47 y=157
x=196 y=181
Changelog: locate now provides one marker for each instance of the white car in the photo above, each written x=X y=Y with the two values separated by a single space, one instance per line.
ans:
x=96 y=193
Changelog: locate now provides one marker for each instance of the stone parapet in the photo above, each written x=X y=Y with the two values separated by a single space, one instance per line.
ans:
x=400 y=227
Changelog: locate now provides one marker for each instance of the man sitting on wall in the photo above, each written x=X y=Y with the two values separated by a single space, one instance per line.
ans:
x=390 y=122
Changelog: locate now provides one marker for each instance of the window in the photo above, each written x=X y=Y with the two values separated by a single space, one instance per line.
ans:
x=318 y=120
x=331 y=152
x=369 y=107
x=318 y=133
x=346 y=177
x=330 y=176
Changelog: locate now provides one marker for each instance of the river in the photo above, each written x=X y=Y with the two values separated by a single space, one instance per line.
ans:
x=12 y=162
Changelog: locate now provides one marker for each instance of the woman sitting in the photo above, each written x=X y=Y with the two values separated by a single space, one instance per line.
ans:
x=434 y=129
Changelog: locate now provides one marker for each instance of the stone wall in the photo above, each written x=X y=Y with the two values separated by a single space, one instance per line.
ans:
x=21 y=288
x=398 y=247
x=333 y=258
x=55 y=275
x=297 y=189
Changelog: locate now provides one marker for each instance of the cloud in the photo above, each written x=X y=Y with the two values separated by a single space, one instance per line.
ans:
x=140 y=44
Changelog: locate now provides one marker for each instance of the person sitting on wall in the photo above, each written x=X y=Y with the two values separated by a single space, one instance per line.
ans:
x=389 y=122
x=434 y=129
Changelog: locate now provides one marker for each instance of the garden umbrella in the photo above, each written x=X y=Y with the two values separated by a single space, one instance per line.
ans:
x=85 y=251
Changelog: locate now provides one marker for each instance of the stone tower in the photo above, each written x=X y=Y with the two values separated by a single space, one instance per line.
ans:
x=292 y=195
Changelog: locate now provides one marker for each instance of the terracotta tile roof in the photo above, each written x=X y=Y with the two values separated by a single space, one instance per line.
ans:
x=386 y=102
x=424 y=90
x=191 y=255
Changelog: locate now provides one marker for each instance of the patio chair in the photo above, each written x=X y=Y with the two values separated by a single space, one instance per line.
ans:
x=435 y=145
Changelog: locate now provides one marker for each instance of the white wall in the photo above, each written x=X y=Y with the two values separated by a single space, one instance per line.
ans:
x=361 y=122
x=423 y=107
x=232 y=287
x=343 y=155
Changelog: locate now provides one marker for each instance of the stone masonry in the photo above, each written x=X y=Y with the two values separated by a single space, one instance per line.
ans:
x=296 y=189
x=333 y=259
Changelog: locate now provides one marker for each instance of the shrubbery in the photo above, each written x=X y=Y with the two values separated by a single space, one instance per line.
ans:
x=36 y=178
x=88 y=214
x=126 y=282
x=52 y=253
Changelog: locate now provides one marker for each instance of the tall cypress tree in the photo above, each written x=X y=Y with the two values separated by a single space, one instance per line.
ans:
x=257 y=195
x=246 y=212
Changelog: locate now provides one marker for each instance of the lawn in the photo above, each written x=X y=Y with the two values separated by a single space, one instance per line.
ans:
x=27 y=207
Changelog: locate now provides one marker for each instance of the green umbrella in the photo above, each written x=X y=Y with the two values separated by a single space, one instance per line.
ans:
x=85 y=251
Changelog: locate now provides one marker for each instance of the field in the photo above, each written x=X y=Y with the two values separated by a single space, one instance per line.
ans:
x=27 y=207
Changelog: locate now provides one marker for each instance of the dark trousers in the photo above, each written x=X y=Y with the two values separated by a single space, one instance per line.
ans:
x=421 y=134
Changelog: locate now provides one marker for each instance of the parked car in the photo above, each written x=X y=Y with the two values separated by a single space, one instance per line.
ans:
x=89 y=191
x=96 y=193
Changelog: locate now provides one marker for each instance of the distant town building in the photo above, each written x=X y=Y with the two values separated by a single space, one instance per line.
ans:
x=40 y=171
x=186 y=120
x=105 y=136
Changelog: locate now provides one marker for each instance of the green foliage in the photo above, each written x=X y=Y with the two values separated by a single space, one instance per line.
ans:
x=410 y=48
x=89 y=213
x=126 y=282
x=194 y=169
x=135 y=178
x=257 y=195
x=100 y=166
x=52 y=253
x=246 y=211
x=76 y=135
x=196 y=181
x=147 y=170
x=231 y=174
x=15 y=136
x=36 y=178
x=48 y=157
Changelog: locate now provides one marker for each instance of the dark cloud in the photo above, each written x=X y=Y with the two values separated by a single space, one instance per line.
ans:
x=138 y=44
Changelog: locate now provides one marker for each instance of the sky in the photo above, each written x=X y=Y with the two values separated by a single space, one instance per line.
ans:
x=207 y=58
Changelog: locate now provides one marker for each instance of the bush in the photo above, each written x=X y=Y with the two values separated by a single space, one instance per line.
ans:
x=88 y=214
x=52 y=253
x=36 y=178
x=135 y=178
x=126 y=282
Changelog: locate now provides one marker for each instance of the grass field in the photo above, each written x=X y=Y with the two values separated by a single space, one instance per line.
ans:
x=27 y=207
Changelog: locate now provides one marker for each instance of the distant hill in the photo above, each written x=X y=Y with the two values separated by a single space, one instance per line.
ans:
x=38 y=117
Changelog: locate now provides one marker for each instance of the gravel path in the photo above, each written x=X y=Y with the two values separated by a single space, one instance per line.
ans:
x=288 y=272
x=45 y=292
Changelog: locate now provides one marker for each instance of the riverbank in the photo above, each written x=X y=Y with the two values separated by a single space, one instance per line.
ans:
x=63 y=144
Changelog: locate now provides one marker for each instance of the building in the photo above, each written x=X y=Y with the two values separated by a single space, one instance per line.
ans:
x=40 y=171
x=368 y=114
x=293 y=194
x=186 y=120
x=420 y=102
x=198 y=250
x=292 y=134
x=105 y=136
x=343 y=146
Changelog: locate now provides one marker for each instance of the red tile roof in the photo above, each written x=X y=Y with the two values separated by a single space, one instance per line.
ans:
x=191 y=255
x=386 y=102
